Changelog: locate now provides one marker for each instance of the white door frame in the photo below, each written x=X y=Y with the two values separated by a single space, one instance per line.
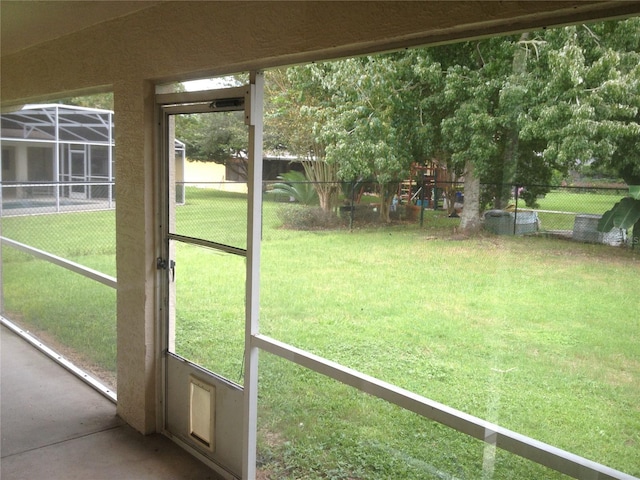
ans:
x=250 y=97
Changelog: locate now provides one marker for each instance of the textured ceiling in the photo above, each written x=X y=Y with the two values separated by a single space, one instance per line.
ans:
x=25 y=23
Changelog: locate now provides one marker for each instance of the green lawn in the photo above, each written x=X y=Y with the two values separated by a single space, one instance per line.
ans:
x=580 y=202
x=537 y=335
x=85 y=237
x=73 y=313
x=574 y=202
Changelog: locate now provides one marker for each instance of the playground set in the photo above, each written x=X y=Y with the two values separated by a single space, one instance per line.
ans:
x=430 y=185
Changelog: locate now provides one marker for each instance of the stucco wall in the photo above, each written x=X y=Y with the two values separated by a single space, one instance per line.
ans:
x=180 y=40
x=136 y=252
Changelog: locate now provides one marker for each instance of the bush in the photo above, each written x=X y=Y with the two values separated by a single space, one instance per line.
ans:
x=299 y=217
x=367 y=213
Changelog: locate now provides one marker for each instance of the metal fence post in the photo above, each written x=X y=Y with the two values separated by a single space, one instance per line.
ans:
x=435 y=189
x=515 y=213
x=422 y=201
x=353 y=204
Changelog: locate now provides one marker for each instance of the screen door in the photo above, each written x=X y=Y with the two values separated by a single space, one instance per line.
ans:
x=203 y=270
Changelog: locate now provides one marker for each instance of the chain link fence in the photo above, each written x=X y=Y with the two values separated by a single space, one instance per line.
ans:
x=562 y=211
x=75 y=221
x=218 y=210
x=571 y=212
x=51 y=231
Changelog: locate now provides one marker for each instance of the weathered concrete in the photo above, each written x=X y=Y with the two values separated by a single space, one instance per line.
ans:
x=55 y=426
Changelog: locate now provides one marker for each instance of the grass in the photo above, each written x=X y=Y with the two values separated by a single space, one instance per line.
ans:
x=517 y=331
x=537 y=335
x=200 y=218
x=74 y=312
x=85 y=237
x=210 y=299
x=594 y=203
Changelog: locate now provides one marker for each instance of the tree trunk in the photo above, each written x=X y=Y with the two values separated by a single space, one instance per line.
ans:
x=470 y=218
x=327 y=195
x=324 y=177
x=385 y=203
x=511 y=136
x=450 y=197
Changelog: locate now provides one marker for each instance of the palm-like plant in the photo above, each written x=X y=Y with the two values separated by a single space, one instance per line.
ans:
x=297 y=186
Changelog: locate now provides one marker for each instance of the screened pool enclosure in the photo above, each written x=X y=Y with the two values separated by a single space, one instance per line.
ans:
x=59 y=158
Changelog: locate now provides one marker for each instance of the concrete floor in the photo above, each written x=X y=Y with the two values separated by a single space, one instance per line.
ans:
x=54 y=426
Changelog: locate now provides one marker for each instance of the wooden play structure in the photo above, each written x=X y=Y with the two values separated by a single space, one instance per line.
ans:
x=425 y=184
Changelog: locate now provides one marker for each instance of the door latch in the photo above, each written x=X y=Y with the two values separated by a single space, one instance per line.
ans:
x=163 y=264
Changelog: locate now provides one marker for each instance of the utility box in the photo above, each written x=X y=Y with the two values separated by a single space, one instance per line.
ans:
x=502 y=222
x=498 y=222
x=526 y=222
x=585 y=229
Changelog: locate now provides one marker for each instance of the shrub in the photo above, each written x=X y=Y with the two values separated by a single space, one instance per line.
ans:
x=298 y=217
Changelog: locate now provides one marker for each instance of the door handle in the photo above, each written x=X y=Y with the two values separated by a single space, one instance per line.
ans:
x=172 y=266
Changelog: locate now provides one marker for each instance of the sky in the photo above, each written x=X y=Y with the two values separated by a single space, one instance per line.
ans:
x=205 y=84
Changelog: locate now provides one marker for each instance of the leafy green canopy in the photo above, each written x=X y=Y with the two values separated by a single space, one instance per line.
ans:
x=215 y=137
x=591 y=108
x=516 y=109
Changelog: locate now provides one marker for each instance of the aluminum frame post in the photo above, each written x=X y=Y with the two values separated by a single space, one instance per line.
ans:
x=253 y=114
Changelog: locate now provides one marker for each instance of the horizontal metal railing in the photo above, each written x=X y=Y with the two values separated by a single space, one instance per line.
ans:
x=46 y=350
x=526 y=447
x=63 y=262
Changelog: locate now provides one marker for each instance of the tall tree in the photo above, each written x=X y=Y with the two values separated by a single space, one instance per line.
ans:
x=512 y=110
x=503 y=111
x=478 y=125
x=298 y=104
x=597 y=72
x=374 y=129
x=219 y=137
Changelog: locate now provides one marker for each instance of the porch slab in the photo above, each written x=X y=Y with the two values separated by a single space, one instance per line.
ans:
x=55 y=426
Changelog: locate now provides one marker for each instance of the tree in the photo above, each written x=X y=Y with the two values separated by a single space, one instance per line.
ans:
x=219 y=137
x=594 y=119
x=613 y=55
x=513 y=110
x=503 y=111
x=482 y=92
x=597 y=79
x=360 y=116
x=298 y=104
x=372 y=130
x=99 y=100
x=455 y=104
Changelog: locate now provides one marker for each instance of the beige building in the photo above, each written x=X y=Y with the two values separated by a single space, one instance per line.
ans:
x=53 y=50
